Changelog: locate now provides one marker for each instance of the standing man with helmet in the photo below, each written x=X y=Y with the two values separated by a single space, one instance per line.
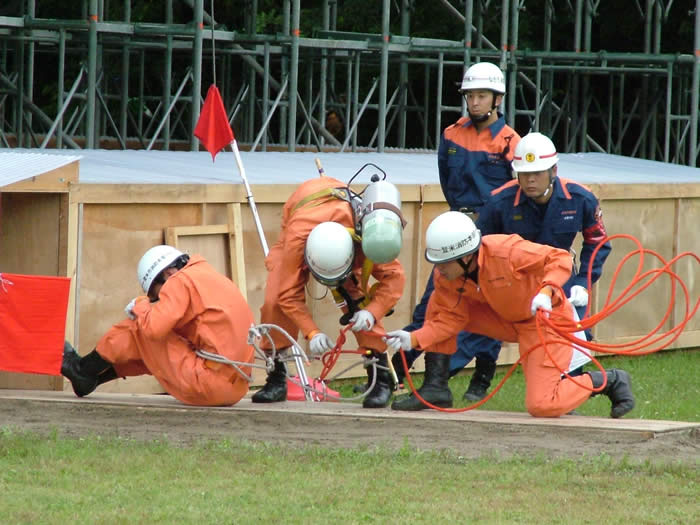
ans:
x=494 y=285
x=473 y=159
x=316 y=240
x=189 y=307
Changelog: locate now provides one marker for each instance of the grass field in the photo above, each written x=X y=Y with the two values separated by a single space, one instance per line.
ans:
x=50 y=479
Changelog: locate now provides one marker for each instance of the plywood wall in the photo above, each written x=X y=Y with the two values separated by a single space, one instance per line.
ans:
x=119 y=223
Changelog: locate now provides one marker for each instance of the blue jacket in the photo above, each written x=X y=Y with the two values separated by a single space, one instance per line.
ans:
x=573 y=208
x=472 y=164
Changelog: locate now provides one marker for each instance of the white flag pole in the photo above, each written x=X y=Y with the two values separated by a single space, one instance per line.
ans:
x=298 y=359
x=249 y=196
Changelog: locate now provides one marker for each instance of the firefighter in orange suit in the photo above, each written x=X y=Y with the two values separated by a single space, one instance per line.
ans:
x=190 y=306
x=493 y=286
x=336 y=259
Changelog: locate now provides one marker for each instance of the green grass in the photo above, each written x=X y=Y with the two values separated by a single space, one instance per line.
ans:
x=51 y=479
x=665 y=384
x=93 y=480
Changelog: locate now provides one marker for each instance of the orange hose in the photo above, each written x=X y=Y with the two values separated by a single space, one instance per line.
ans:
x=565 y=328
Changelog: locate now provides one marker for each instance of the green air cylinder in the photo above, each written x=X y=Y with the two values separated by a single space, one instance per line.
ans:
x=382 y=230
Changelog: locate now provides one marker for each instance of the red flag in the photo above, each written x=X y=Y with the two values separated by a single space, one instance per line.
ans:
x=32 y=322
x=212 y=127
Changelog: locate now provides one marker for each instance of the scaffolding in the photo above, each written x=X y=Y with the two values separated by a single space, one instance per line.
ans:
x=335 y=90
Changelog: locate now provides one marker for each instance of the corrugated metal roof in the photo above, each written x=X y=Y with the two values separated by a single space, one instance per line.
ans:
x=18 y=165
x=182 y=167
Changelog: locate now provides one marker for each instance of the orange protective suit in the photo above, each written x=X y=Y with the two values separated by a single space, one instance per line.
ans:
x=285 y=298
x=511 y=272
x=198 y=308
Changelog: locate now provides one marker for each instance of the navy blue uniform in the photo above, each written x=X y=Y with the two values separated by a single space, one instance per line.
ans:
x=572 y=209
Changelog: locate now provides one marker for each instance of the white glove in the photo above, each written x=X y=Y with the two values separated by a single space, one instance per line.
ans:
x=398 y=340
x=320 y=343
x=129 y=309
x=541 y=300
x=363 y=320
x=579 y=296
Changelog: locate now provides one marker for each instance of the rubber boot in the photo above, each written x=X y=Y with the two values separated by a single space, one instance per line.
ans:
x=380 y=395
x=434 y=389
x=275 y=388
x=481 y=380
x=85 y=373
x=618 y=389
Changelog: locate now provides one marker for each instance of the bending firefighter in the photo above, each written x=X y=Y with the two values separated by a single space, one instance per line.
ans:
x=474 y=158
x=544 y=208
x=316 y=240
x=494 y=285
x=190 y=306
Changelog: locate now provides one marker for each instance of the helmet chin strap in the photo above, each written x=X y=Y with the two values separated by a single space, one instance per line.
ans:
x=549 y=186
x=479 y=119
x=483 y=118
x=546 y=191
x=464 y=266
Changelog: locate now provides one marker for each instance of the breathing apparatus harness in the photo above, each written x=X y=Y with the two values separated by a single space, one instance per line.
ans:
x=362 y=206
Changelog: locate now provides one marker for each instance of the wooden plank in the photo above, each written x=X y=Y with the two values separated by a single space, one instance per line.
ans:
x=54 y=181
x=647 y=427
x=207 y=229
x=234 y=242
x=158 y=193
x=236 y=251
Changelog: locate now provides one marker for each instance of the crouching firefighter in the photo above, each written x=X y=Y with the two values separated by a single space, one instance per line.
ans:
x=189 y=307
x=340 y=239
x=494 y=285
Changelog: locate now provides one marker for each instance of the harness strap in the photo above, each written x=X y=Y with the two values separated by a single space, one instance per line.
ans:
x=385 y=206
x=322 y=196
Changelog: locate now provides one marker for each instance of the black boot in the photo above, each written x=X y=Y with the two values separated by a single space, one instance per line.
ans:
x=434 y=389
x=380 y=395
x=275 y=388
x=618 y=389
x=481 y=379
x=85 y=373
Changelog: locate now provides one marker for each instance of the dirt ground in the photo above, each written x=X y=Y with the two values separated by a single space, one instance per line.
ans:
x=470 y=435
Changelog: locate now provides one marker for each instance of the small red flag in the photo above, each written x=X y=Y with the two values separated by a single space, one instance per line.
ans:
x=32 y=322
x=212 y=127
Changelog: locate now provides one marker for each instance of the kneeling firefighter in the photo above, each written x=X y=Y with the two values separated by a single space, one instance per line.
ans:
x=341 y=239
x=494 y=285
x=189 y=307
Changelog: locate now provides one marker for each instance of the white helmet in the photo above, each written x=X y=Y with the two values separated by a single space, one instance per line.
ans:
x=534 y=152
x=484 y=75
x=450 y=236
x=154 y=261
x=329 y=253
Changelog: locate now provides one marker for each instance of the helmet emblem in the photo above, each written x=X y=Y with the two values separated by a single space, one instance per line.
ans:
x=530 y=157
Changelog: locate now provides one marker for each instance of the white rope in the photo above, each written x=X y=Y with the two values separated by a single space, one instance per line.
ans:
x=256 y=333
